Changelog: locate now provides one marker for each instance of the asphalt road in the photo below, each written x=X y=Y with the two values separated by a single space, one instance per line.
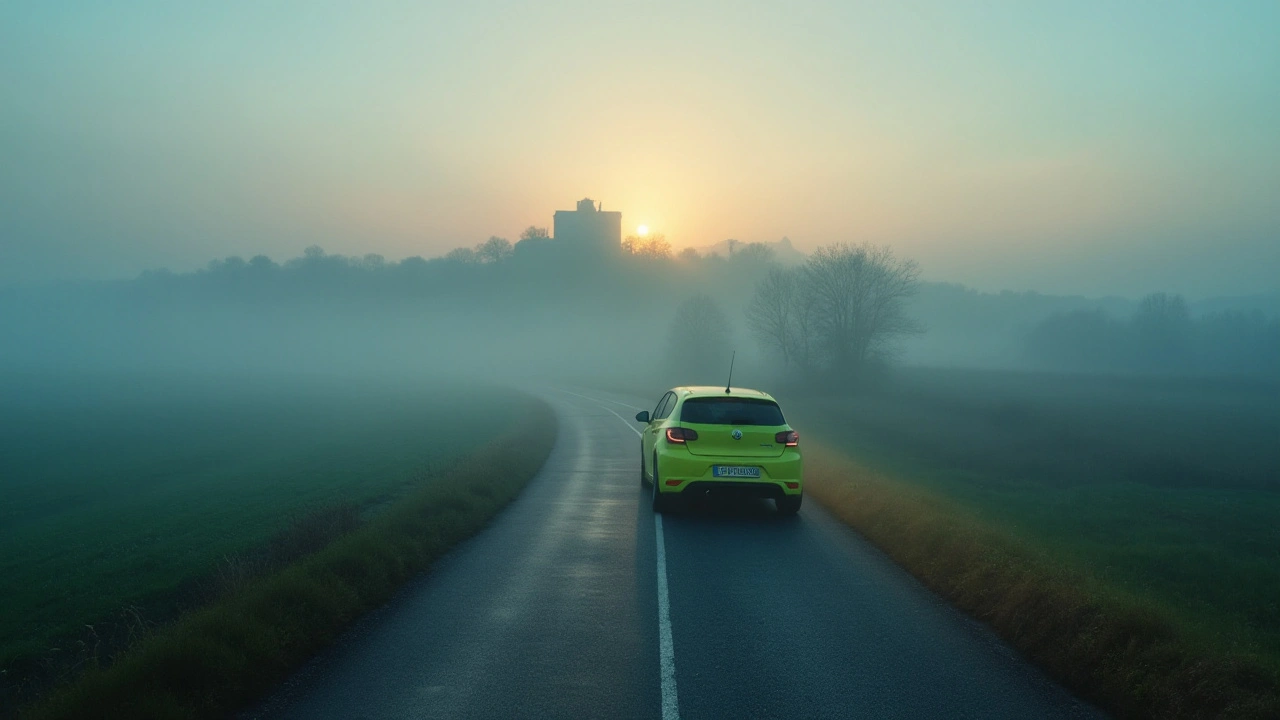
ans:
x=578 y=602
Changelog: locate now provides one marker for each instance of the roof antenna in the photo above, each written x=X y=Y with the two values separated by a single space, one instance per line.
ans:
x=730 y=382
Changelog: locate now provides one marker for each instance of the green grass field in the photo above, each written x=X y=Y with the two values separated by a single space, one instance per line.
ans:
x=1168 y=489
x=1161 y=496
x=119 y=492
x=221 y=656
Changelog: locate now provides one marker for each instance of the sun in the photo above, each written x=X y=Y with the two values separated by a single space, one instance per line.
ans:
x=642 y=230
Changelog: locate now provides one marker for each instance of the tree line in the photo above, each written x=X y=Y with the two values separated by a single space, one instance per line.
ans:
x=846 y=310
x=842 y=311
x=838 y=315
x=1161 y=336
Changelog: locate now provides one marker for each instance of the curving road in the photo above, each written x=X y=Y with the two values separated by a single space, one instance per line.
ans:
x=579 y=602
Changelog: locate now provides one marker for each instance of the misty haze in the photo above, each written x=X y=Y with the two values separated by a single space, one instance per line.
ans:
x=557 y=360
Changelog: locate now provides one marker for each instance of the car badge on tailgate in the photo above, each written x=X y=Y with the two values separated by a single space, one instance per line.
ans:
x=737 y=434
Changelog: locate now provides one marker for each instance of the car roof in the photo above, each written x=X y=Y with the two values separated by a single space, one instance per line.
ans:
x=717 y=391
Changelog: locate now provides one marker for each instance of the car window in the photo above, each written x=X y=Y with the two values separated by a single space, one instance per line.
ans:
x=662 y=404
x=671 y=405
x=668 y=402
x=731 y=411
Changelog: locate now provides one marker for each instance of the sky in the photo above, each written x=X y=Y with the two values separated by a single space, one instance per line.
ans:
x=1087 y=147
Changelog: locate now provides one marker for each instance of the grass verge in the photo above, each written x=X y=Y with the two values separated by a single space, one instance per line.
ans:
x=1126 y=653
x=118 y=492
x=219 y=658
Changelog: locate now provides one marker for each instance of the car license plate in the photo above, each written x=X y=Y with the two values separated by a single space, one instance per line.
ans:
x=734 y=471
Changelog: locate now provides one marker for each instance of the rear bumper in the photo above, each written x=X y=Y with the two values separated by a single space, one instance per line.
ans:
x=766 y=490
x=682 y=471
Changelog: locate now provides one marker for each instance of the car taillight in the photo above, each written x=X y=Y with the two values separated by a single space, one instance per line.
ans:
x=678 y=435
x=789 y=438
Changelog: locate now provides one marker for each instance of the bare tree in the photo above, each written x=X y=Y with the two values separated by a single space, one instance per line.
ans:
x=493 y=250
x=532 y=239
x=657 y=248
x=698 y=343
x=781 y=316
x=462 y=255
x=771 y=313
x=860 y=302
x=1162 y=325
x=755 y=252
x=804 y=314
x=1163 y=313
x=653 y=247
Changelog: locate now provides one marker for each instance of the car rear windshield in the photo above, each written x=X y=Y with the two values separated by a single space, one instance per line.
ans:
x=731 y=411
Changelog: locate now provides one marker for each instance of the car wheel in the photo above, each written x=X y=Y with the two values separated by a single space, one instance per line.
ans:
x=788 y=504
x=660 y=503
x=643 y=480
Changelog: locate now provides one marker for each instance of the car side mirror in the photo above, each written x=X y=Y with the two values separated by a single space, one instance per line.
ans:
x=643 y=416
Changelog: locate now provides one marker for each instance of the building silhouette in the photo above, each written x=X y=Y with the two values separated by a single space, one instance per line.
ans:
x=589 y=228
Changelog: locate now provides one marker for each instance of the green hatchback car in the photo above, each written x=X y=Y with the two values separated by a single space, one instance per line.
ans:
x=712 y=439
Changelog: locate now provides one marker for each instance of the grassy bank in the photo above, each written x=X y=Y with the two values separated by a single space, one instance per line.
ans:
x=221 y=657
x=119 y=492
x=1120 y=533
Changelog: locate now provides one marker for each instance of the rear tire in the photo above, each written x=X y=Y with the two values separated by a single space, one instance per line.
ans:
x=788 y=504
x=660 y=503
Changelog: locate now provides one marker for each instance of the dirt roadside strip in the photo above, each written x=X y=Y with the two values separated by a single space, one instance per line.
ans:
x=222 y=657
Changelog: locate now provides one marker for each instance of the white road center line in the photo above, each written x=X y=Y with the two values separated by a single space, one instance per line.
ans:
x=666 y=646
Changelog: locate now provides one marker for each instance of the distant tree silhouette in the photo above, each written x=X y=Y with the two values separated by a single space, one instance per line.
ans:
x=1161 y=336
x=262 y=263
x=843 y=309
x=690 y=255
x=532 y=240
x=698 y=341
x=770 y=314
x=493 y=250
x=1080 y=339
x=657 y=248
x=1162 y=330
x=754 y=253
x=534 y=233
x=781 y=317
x=465 y=256
x=860 y=302
x=1238 y=342
x=651 y=247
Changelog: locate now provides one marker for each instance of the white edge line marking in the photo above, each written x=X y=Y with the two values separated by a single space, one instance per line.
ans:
x=628 y=422
x=600 y=400
x=666 y=646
